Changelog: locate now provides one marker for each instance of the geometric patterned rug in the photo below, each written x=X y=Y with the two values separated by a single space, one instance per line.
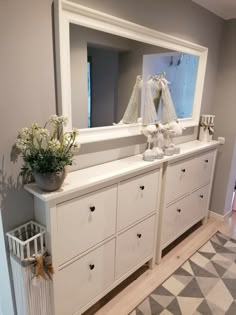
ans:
x=205 y=284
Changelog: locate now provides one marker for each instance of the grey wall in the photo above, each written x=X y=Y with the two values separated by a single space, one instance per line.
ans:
x=27 y=95
x=182 y=78
x=225 y=110
x=104 y=77
x=80 y=38
x=6 y=304
x=131 y=65
x=27 y=92
x=79 y=88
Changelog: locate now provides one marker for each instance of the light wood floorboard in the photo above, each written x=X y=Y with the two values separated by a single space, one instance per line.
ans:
x=125 y=302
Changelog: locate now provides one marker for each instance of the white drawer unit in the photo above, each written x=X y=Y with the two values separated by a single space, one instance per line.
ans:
x=137 y=198
x=84 y=279
x=203 y=169
x=185 y=197
x=184 y=213
x=179 y=180
x=108 y=220
x=199 y=202
x=99 y=238
x=84 y=222
x=134 y=245
x=175 y=219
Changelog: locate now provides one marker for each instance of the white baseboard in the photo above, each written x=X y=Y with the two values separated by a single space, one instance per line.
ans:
x=220 y=217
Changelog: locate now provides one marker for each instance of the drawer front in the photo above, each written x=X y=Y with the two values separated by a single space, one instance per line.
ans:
x=179 y=180
x=200 y=201
x=175 y=219
x=184 y=213
x=84 y=222
x=134 y=245
x=203 y=169
x=137 y=198
x=77 y=284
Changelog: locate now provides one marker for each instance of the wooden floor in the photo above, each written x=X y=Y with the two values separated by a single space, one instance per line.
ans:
x=125 y=301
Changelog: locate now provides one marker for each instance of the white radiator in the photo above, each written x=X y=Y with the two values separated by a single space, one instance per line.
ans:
x=33 y=296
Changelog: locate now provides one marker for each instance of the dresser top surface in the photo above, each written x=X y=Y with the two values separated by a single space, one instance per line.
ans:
x=99 y=174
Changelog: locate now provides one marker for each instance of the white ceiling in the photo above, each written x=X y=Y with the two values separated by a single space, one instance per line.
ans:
x=224 y=8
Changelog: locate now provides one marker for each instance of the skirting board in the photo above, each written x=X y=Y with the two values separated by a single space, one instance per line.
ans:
x=219 y=216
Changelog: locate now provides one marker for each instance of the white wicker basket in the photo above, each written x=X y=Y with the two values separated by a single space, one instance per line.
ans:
x=32 y=298
x=27 y=240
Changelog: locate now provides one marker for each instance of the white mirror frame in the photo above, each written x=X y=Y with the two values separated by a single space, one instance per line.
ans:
x=67 y=12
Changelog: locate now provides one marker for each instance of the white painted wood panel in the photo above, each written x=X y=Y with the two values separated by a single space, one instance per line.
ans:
x=134 y=245
x=175 y=219
x=137 y=197
x=199 y=203
x=84 y=222
x=203 y=168
x=179 y=180
x=83 y=280
x=184 y=213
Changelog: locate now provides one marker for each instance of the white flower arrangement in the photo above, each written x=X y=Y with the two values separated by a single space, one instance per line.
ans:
x=47 y=150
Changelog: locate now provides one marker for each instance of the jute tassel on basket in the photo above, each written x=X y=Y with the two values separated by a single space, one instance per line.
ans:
x=41 y=266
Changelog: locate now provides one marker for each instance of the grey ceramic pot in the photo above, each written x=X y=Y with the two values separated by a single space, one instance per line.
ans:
x=50 y=181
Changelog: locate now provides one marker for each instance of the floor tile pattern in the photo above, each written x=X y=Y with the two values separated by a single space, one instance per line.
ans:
x=205 y=284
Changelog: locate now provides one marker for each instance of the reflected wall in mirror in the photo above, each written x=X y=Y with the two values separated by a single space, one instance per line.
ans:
x=104 y=70
x=181 y=73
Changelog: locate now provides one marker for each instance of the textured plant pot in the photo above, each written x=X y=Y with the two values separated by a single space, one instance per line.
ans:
x=50 y=181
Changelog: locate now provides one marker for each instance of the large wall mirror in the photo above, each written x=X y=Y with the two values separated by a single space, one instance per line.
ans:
x=104 y=62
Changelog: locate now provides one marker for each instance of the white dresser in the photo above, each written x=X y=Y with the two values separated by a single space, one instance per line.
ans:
x=101 y=228
x=186 y=191
x=109 y=220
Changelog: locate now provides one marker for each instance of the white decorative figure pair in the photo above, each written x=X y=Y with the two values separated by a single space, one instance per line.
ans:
x=157 y=94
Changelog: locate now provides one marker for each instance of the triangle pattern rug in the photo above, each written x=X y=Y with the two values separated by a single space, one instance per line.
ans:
x=205 y=284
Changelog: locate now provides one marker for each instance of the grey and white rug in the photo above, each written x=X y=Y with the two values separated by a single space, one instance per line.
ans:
x=205 y=284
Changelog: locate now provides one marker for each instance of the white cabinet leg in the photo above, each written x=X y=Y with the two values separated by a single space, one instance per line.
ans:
x=204 y=220
x=151 y=264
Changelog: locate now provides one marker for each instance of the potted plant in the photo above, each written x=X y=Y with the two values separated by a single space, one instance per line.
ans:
x=47 y=151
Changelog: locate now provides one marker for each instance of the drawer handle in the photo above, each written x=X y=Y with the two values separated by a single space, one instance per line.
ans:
x=201 y=196
x=183 y=170
x=92 y=209
x=139 y=235
x=142 y=187
x=179 y=210
x=91 y=266
x=206 y=161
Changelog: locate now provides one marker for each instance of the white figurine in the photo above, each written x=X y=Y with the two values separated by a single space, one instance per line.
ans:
x=150 y=132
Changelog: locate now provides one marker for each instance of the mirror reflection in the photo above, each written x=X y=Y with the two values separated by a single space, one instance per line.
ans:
x=110 y=74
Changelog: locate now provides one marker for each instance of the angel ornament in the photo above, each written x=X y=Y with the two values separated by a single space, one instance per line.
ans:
x=171 y=126
x=150 y=132
x=158 y=143
x=132 y=110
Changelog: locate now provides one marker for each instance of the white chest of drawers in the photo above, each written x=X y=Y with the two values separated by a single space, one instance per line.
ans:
x=100 y=230
x=109 y=220
x=185 y=196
